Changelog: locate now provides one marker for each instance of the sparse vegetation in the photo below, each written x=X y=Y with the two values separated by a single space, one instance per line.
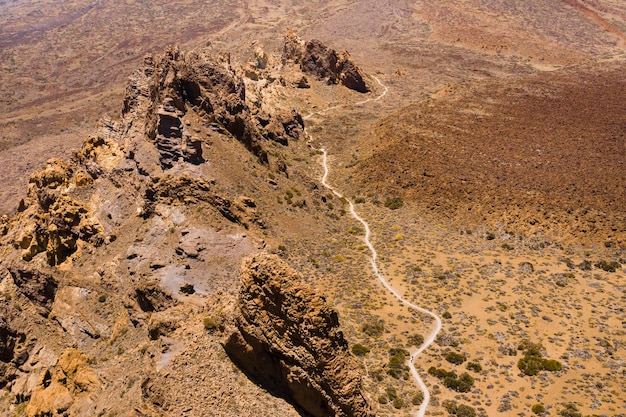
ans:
x=455 y=358
x=608 y=266
x=394 y=203
x=459 y=410
x=360 y=350
x=396 y=366
x=493 y=303
x=373 y=328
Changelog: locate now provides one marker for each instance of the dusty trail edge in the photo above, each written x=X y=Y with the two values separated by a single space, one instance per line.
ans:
x=430 y=337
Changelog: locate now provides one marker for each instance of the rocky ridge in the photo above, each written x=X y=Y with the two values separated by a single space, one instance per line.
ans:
x=114 y=252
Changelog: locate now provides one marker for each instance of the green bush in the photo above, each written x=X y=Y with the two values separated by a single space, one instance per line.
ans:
x=474 y=366
x=552 y=365
x=532 y=363
x=398 y=403
x=455 y=358
x=373 y=328
x=360 y=350
x=391 y=393
x=530 y=347
x=417 y=398
x=396 y=367
x=570 y=410
x=209 y=323
x=398 y=351
x=415 y=340
x=440 y=373
x=394 y=203
x=465 y=411
x=460 y=410
x=446 y=315
x=463 y=383
x=608 y=266
x=538 y=409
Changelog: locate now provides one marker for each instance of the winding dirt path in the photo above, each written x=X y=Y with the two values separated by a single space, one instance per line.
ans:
x=430 y=338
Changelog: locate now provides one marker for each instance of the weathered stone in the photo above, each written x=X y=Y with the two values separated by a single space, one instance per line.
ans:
x=325 y=63
x=288 y=338
x=37 y=286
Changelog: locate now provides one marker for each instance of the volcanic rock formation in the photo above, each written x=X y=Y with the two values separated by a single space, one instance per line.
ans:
x=325 y=63
x=288 y=338
x=108 y=263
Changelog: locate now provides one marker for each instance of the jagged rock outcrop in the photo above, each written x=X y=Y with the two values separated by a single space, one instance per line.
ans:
x=170 y=140
x=13 y=349
x=288 y=338
x=325 y=63
x=60 y=386
x=282 y=126
x=168 y=87
x=50 y=220
x=36 y=285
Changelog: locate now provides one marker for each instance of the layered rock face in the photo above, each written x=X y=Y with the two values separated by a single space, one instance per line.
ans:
x=325 y=63
x=288 y=338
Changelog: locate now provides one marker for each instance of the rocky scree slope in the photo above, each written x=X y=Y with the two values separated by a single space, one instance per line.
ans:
x=108 y=263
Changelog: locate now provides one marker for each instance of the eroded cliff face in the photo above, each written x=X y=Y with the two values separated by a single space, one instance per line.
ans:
x=288 y=338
